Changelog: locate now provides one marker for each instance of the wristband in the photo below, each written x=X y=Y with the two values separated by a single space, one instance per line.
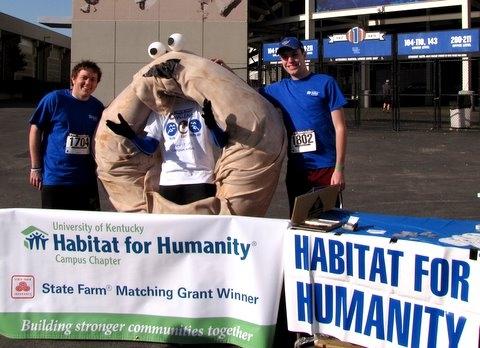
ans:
x=339 y=167
x=36 y=170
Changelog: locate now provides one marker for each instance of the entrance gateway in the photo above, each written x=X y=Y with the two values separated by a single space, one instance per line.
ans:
x=424 y=90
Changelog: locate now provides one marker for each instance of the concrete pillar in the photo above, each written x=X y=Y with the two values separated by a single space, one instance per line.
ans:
x=466 y=65
x=365 y=83
x=309 y=23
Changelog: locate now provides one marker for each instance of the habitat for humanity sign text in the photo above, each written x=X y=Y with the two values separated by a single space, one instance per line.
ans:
x=159 y=278
x=367 y=291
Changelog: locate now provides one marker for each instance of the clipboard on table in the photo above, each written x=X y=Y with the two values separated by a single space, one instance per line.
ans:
x=309 y=210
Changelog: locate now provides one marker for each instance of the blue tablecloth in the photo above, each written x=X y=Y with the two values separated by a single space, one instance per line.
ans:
x=421 y=229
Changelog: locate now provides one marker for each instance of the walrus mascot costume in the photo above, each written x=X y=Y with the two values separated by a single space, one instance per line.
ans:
x=247 y=170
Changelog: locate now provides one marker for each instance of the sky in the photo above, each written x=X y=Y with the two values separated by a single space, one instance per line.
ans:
x=31 y=10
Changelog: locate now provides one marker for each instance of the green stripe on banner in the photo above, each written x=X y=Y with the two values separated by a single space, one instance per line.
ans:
x=134 y=327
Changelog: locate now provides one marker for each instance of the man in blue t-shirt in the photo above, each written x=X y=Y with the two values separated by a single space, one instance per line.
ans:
x=61 y=131
x=312 y=108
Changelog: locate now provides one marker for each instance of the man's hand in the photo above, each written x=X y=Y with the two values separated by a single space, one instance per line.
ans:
x=121 y=128
x=221 y=63
x=208 y=114
x=338 y=178
x=36 y=178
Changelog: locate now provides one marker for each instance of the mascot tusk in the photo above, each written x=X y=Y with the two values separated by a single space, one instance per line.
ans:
x=247 y=171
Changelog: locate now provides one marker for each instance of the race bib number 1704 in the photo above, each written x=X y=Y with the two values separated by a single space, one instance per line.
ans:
x=78 y=144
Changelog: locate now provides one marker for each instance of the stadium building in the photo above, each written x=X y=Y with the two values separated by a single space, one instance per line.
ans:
x=33 y=60
x=360 y=43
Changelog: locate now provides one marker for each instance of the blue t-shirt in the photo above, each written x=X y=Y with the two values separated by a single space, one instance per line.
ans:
x=68 y=125
x=306 y=106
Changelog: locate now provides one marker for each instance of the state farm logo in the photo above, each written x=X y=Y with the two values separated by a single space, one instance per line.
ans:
x=23 y=286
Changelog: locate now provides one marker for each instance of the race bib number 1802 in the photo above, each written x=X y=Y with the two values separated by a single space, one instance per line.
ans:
x=78 y=144
x=303 y=141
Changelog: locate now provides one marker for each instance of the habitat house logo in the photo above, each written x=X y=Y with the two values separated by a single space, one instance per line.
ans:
x=35 y=238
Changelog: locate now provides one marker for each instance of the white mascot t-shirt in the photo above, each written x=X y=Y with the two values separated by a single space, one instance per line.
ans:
x=186 y=144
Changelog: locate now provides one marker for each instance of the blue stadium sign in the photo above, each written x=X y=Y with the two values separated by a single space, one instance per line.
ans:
x=451 y=43
x=269 y=51
x=333 y=5
x=358 y=44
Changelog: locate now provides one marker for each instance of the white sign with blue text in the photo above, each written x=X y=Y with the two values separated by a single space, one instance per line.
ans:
x=269 y=51
x=437 y=44
x=368 y=291
x=140 y=277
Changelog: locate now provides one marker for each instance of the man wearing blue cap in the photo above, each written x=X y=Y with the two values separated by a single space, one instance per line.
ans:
x=312 y=108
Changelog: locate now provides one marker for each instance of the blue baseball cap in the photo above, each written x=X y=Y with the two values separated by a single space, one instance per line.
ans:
x=288 y=44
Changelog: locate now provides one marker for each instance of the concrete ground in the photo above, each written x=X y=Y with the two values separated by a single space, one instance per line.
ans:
x=418 y=173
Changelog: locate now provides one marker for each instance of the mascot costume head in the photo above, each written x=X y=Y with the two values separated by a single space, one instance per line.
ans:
x=248 y=169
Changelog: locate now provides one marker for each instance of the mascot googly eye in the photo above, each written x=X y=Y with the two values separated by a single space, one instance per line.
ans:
x=176 y=42
x=156 y=49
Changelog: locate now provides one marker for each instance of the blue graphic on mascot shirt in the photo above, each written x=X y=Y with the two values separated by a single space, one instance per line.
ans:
x=195 y=126
x=171 y=128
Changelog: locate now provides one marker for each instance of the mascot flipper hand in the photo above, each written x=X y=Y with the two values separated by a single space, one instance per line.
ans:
x=121 y=128
x=248 y=169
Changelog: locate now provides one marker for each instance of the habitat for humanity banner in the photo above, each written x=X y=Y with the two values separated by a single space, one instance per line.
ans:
x=146 y=277
x=368 y=291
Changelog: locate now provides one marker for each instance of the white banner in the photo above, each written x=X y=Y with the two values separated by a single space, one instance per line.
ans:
x=368 y=291
x=160 y=278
